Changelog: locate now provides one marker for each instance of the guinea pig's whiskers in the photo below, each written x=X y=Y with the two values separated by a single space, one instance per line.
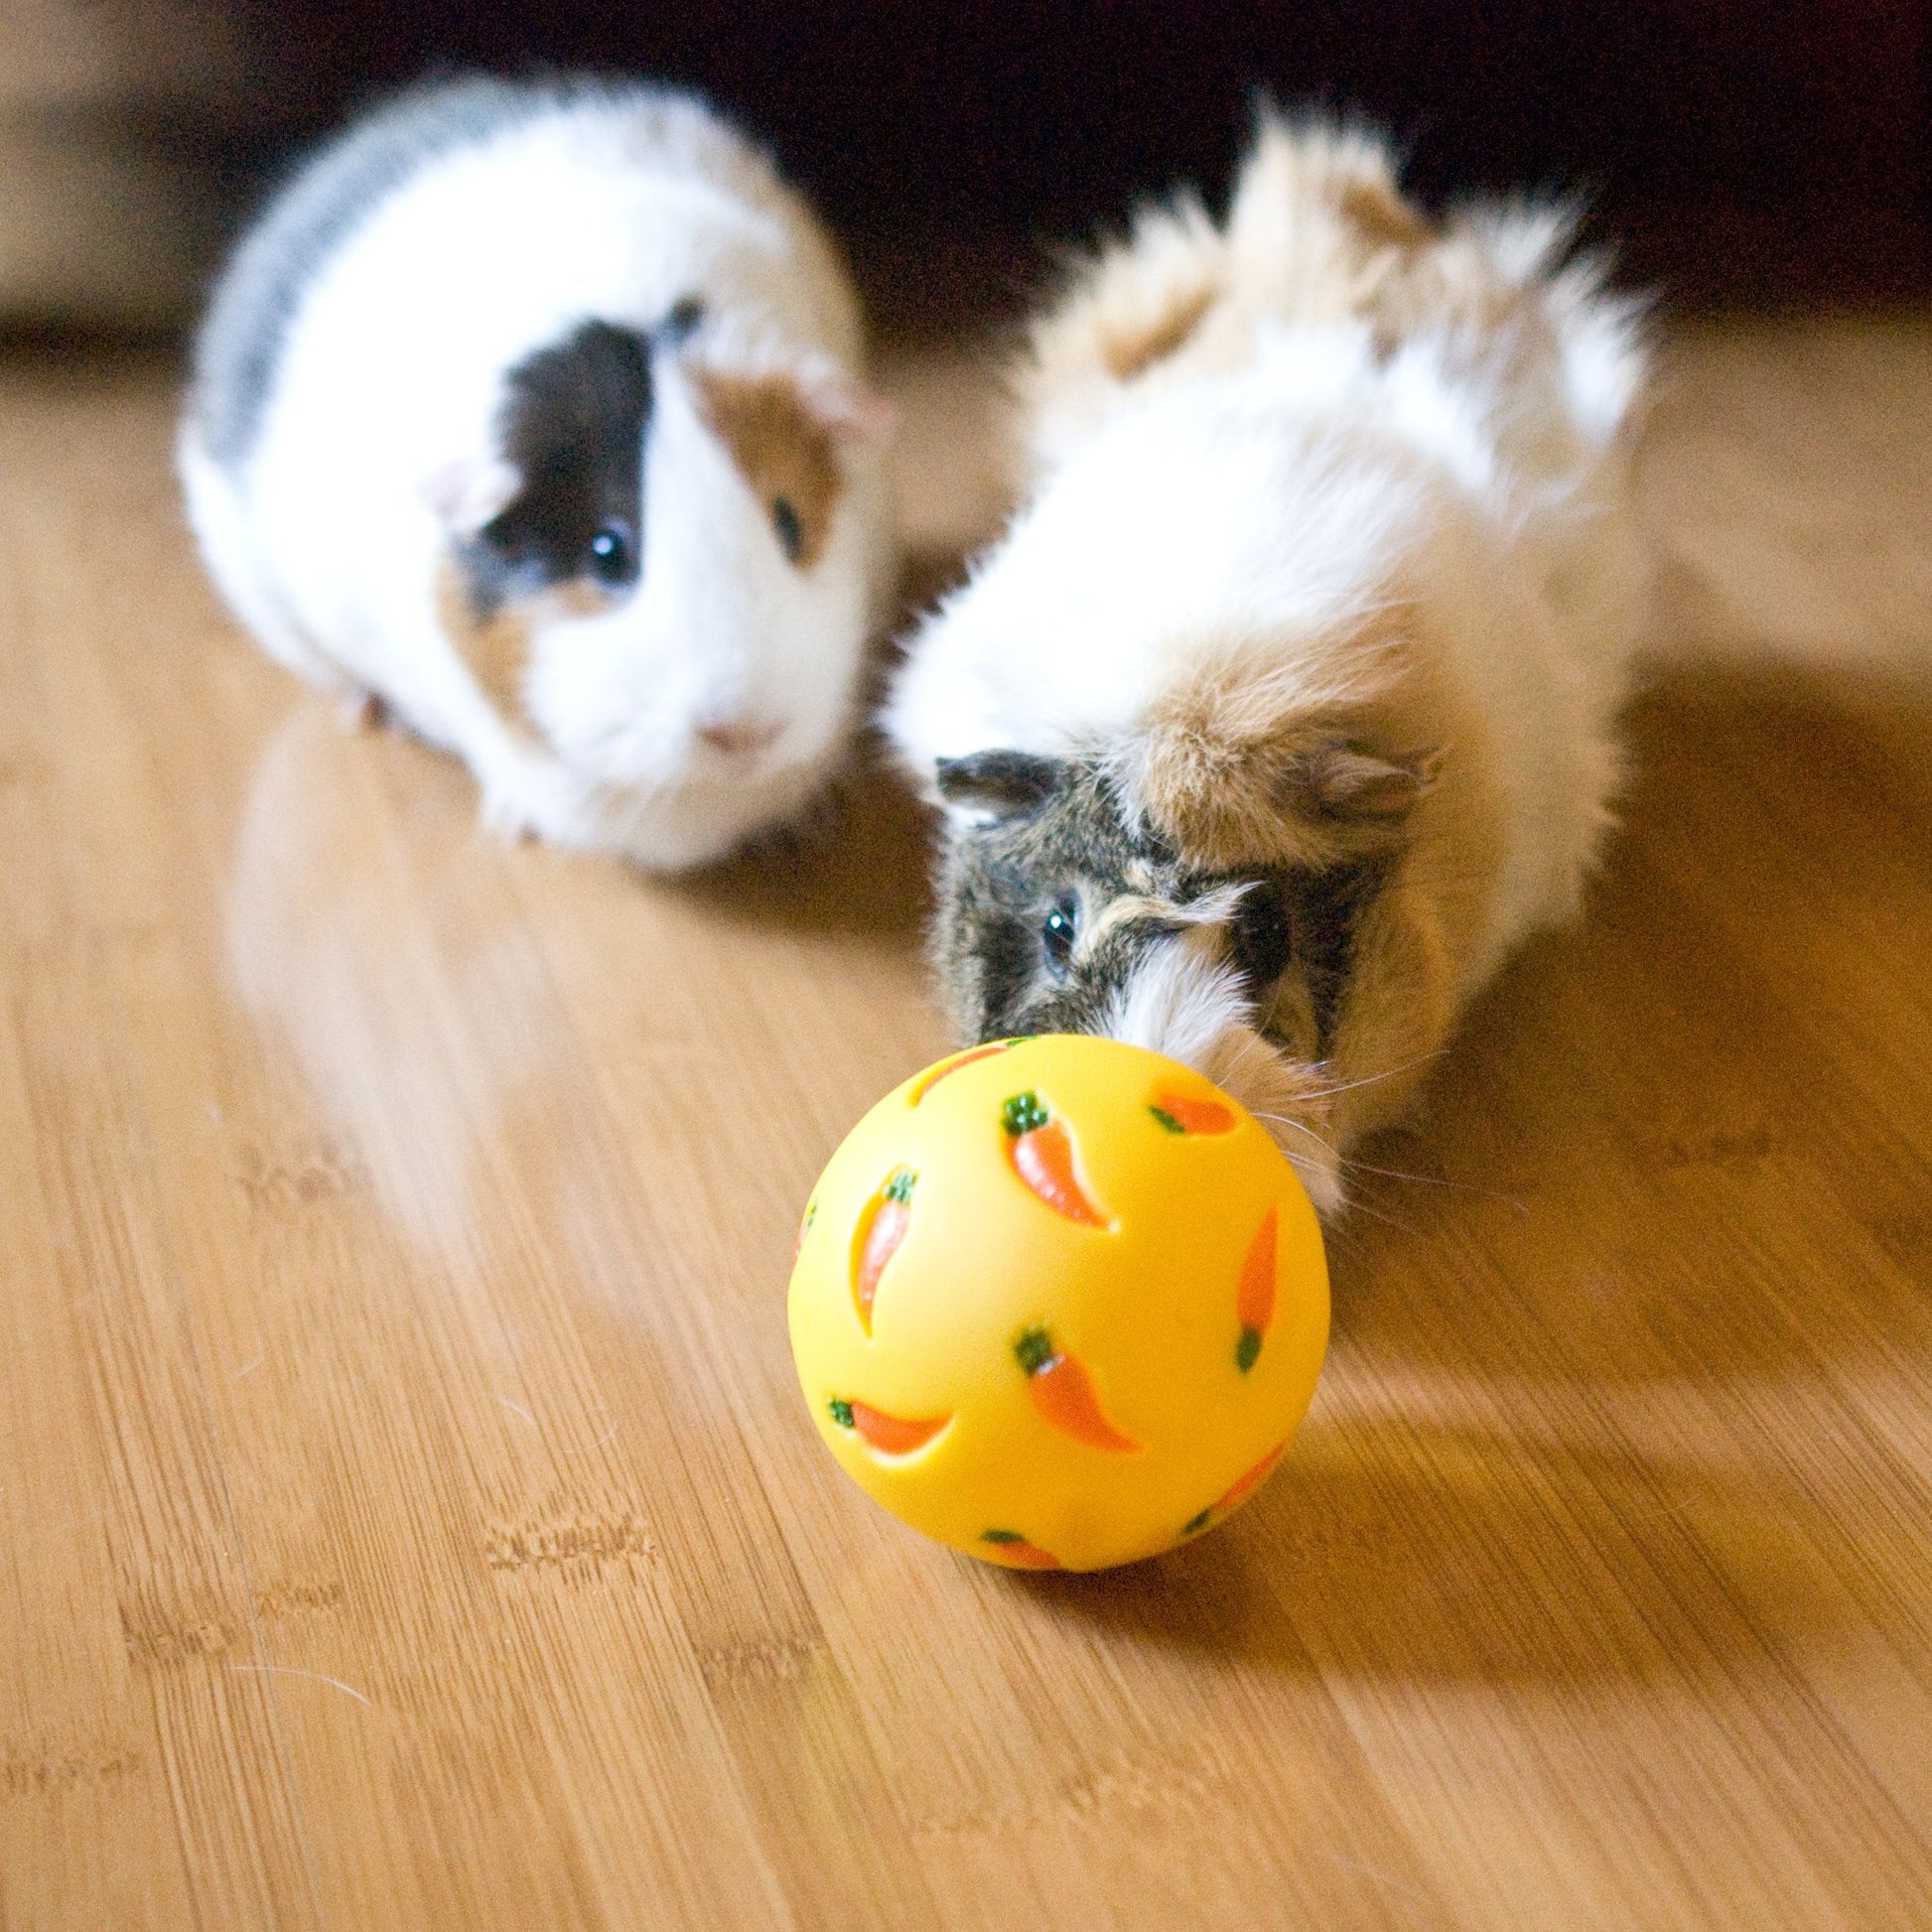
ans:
x=1369 y=1080
x=1402 y=1174
x=1354 y=1211
x=1438 y=1180
x=1302 y=1127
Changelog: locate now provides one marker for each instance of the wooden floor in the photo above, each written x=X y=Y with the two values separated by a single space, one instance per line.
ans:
x=407 y=1513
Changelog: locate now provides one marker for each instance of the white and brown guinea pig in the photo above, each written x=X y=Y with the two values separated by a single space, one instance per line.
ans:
x=1287 y=704
x=535 y=412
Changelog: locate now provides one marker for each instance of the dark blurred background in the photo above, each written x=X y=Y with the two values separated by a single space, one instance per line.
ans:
x=1742 y=150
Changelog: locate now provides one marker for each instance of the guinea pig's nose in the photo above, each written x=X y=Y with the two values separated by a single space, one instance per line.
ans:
x=741 y=738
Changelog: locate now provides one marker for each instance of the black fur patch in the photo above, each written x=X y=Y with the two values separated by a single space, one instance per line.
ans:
x=1001 y=882
x=573 y=424
x=1329 y=905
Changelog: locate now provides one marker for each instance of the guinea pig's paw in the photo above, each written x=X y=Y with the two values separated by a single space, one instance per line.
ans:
x=509 y=816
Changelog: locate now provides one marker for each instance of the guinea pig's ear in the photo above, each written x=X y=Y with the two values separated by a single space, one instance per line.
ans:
x=990 y=785
x=1313 y=793
x=1344 y=781
x=468 y=492
x=853 y=412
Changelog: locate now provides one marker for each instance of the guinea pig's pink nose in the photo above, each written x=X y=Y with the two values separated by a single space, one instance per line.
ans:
x=741 y=738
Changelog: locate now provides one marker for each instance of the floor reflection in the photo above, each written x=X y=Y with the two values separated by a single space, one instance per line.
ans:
x=334 y=923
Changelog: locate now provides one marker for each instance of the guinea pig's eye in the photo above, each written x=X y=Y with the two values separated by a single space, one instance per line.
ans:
x=1057 y=935
x=791 y=532
x=611 y=556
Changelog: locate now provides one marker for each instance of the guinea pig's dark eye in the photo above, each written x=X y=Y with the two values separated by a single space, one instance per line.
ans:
x=1057 y=935
x=611 y=556
x=1264 y=935
x=791 y=532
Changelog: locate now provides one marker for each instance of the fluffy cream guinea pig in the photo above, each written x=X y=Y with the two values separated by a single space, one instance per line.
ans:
x=1286 y=705
x=535 y=412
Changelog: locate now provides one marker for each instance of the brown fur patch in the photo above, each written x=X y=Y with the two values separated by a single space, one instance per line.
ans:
x=1381 y=217
x=495 y=649
x=1237 y=776
x=1319 y=792
x=1128 y=351
x=780 y=449
x=1237 y=773
x=1237 y=770
x=1416 y=953
x=1405 y=993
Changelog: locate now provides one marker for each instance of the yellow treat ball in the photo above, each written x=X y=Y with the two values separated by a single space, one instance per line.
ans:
x=1060 y=1303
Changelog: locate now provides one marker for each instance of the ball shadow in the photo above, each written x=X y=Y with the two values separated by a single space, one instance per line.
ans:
x=1442 y=1556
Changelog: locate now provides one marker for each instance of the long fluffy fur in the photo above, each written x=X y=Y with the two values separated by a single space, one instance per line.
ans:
x=1325 y=566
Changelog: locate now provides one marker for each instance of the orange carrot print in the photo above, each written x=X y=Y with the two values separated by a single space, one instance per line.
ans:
x=1238 y=1492
x=882 y=1227
x=1064 y=1393
x=1254 y=1305
x=889 y=1434
x=1182 y=1113
x=958 y=1060
x=1041 y=1154
x=1245 y=1487
x=1017 y=1552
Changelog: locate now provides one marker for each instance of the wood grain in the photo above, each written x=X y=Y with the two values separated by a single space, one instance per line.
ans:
x=407 y=1513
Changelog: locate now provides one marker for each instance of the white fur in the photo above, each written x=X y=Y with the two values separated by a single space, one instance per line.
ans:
x=378 y=447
